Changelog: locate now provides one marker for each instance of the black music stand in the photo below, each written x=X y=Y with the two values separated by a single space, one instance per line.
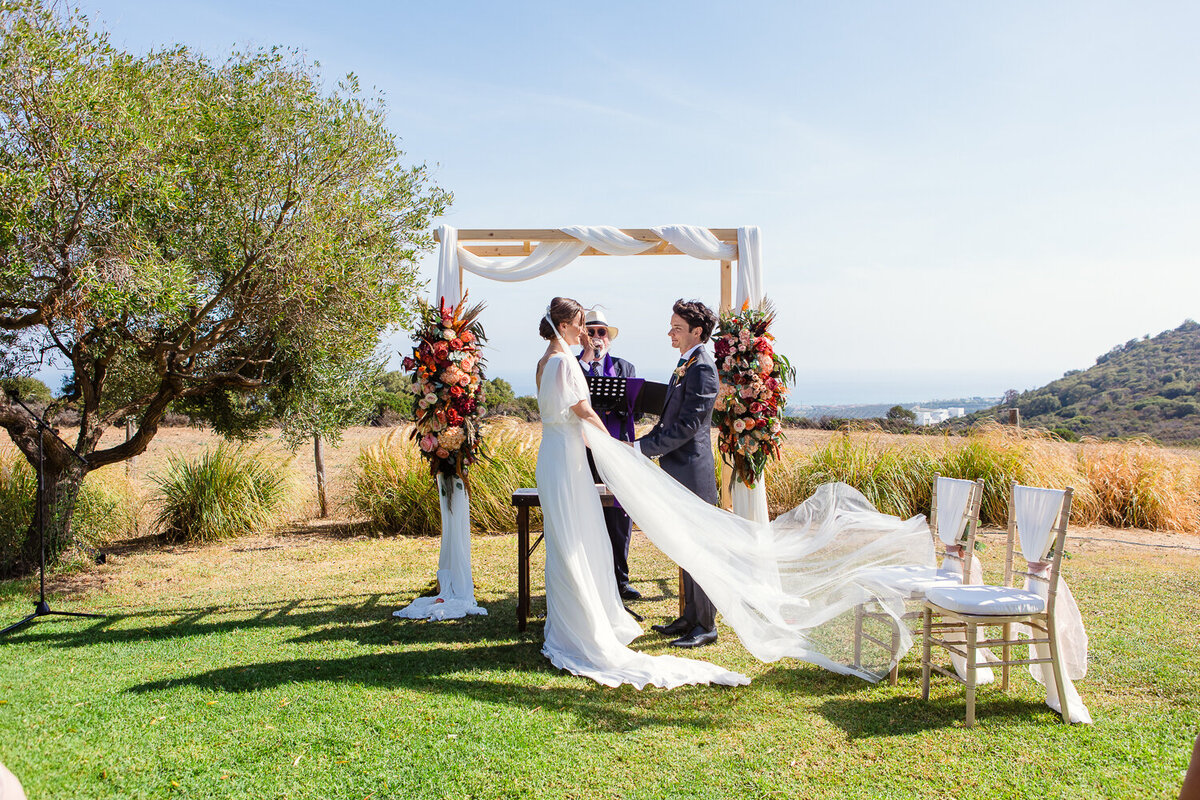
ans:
x=42 y=608
x=651 y=399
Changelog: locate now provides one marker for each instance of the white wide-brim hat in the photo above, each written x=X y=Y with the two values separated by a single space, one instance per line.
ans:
x=596 y=317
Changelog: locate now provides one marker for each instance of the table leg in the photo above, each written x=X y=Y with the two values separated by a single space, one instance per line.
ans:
x=522 y=567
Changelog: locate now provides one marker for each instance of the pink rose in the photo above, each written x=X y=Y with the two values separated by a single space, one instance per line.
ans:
x=428 y=443
x=442 y=453
x=739 y=425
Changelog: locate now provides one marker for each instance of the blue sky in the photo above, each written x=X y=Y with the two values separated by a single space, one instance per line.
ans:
x=955 y=198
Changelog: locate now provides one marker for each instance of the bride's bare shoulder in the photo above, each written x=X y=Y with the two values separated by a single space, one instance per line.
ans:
x=541 y=366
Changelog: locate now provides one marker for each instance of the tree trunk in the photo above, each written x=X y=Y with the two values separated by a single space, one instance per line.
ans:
x=319 y=459
x=59 y=497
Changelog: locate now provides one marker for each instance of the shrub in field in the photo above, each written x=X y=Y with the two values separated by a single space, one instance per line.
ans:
x=393 y=487
x=227 y=491
x=106 y=509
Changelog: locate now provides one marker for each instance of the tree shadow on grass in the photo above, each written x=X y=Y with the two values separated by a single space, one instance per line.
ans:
x=865 y=718
x=366 y=619
x=448 y=671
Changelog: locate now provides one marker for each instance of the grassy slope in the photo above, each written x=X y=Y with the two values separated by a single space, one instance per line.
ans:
x=1148 y=387
x=270 y=667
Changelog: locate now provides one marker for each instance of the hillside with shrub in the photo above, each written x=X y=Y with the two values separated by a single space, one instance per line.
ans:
x=1145 y=387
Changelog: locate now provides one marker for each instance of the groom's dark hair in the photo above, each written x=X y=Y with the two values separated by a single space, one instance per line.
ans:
x=696 y=315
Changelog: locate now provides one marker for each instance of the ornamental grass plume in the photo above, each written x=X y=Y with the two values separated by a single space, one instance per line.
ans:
x=227 y=491
x=1138 y=484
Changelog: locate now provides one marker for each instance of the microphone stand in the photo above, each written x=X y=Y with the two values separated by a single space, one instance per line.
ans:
x=42 y=608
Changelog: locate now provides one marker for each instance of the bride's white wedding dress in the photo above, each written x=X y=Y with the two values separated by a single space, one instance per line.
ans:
x=587 y=627
x=788 y=588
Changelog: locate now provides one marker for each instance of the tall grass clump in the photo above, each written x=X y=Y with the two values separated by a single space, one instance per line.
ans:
x=106 y=509
x=896 y=480
x=394 y=490
x=1141 y=485
x=1133 y=484
x=227 y=491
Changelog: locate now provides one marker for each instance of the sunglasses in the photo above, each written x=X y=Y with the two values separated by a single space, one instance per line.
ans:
x=600 y=332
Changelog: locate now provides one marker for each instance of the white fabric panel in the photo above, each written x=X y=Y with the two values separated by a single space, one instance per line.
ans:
x=1036 y=511
x=696 y=242
x=448 y=287
x=750 y=268
x=952 y=497
x=546 y=257
x=456 y=590
x=608 y=239
x=750 y=503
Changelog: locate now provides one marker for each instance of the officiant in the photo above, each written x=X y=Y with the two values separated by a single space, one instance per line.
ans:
x=596 y=359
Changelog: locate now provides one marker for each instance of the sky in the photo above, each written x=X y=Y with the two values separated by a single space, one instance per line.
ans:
x=955 y=198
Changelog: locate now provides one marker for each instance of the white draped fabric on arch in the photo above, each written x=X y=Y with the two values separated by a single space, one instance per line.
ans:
x=456 y=588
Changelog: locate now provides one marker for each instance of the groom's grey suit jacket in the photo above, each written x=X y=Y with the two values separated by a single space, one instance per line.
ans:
x=682 y=440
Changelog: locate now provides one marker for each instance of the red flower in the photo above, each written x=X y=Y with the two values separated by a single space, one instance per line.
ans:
x=453 y=417
x=723 y=346
x=456 y=344
x=441 y=350
x=456 y=391
x=763 y=346
x=467 y=337
x=408 y=364
x=756 y=407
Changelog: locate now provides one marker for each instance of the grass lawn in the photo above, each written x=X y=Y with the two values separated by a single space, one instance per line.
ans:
x=271 y=667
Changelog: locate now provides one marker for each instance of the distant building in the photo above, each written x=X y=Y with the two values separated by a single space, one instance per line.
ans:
x=933 y=416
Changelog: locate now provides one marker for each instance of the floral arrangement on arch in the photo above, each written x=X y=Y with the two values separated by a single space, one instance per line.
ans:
x=447 y=378
x=750 y=401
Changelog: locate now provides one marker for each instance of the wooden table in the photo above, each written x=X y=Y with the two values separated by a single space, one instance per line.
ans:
x=525 y=499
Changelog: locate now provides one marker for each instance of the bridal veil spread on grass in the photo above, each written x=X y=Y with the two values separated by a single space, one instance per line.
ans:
x=788 y=588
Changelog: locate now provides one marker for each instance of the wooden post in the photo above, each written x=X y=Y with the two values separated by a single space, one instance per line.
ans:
x=726 y=286
x=726 y=487
x=319 y=460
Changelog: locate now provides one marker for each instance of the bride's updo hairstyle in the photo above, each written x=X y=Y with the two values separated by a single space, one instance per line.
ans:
x=696 y=315
x=562 y=309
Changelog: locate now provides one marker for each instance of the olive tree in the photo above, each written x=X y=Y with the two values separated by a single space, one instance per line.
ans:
x=179 y=232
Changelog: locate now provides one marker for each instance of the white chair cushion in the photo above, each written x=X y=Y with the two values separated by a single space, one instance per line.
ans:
x=990 y=600
x=914 y=580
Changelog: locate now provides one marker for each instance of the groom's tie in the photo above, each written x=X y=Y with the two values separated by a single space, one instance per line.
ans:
x=595 y=368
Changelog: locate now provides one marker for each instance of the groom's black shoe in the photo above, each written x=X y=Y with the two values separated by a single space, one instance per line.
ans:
x=630 y=593
x=698 y=637
x=676 y=628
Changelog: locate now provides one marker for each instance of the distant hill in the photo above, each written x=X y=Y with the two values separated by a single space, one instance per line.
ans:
x=1147 y=387
x=874 y=410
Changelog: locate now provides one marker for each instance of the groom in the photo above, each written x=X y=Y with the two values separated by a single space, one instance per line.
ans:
x=683 y=445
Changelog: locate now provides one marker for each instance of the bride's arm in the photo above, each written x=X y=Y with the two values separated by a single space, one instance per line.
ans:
x=583 y=410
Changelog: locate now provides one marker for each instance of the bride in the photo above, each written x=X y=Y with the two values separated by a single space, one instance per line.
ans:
x=787 y=588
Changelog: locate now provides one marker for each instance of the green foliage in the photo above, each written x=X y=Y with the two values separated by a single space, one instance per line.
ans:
x=498 y=392
x=394 y=397
x=1145 y=387
x=226 y=492
x=229 y=236
x=901 y=413
x=29 y=390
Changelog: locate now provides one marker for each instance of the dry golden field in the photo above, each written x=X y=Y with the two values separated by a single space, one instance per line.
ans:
x=801 y=444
